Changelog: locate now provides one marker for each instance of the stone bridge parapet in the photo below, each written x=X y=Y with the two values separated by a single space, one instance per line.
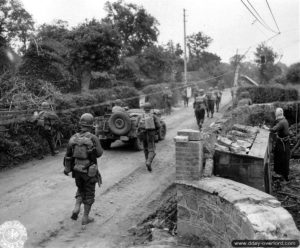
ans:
x=218 y=210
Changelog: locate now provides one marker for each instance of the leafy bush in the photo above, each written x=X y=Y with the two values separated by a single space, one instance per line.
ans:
x=258 y=114
x=130 y=94
x=265 y=94
x=22 y=142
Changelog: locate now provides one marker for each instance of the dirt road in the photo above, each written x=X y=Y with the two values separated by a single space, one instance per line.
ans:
x=41 y=197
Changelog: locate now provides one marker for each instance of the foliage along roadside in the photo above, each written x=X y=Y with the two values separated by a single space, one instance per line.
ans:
x=21 y=142
x=266 y=94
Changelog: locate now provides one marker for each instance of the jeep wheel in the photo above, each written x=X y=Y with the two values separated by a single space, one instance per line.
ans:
x=119 y=123
x=105 y=144
x=137 y=144
x=162 y=132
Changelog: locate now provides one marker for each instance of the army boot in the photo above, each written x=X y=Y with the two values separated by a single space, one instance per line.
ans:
x=86 y=219
x=76 y=208
x=149 y=161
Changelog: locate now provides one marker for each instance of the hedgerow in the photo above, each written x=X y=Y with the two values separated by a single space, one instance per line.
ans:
x=21 y=142
x=266 y=94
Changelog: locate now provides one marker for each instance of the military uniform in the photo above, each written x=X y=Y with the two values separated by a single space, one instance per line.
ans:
x=210 y=102
x=83 y=150
x=199 y=108
x=218 y=96
x=167 y=97
x=147 y=133
x=45 y=120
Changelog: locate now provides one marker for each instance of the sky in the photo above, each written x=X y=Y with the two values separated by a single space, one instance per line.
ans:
x=227 y=22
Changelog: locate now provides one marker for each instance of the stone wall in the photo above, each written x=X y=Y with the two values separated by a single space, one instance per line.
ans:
x=218 y=210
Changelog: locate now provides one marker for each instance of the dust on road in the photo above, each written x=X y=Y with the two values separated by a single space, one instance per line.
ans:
x=41 y=197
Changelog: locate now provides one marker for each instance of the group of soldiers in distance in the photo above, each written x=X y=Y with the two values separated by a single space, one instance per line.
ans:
x=206 y=101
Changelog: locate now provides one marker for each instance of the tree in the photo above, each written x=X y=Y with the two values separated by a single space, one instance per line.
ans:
x=293 y=73
x=93 y=46
x=56 y=31
x=235 y=60
x=16 y=24
x=197 y=43
x=137 y=28
x=48 y=60
x=265 y=57
x=178 y=50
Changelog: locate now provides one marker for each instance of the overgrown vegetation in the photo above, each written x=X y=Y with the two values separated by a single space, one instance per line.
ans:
x=266 y=94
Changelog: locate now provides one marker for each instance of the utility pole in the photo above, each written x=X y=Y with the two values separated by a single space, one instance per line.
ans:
x=185 y=58
x=236 y=77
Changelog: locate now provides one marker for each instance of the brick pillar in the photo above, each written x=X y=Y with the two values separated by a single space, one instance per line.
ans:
x=189 y=155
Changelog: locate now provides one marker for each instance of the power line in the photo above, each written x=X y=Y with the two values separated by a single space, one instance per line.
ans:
x=273 y=16
x=258 y=14
x=257 y=18
x=271 y=38
x=131 y=98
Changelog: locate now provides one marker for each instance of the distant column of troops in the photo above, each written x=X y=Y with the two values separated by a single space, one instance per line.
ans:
x=206 y=101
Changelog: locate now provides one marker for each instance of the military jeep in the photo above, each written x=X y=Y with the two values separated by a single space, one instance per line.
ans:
x=123 y=126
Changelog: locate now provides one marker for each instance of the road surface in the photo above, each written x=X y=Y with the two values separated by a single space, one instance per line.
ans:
x=41 y=197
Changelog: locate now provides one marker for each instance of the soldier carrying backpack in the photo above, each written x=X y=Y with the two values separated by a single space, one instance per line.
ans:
x=199 y=108
x=218 y=94
x=81 y=159
x=210 y=99
x=147 y=125
x=46 y=119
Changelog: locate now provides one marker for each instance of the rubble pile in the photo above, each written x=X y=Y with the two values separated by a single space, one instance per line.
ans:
x=289 y=193
x=237 y=140
x=164 y=219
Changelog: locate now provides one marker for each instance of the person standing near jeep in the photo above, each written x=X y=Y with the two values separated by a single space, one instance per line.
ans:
x=81 y=159
x=46 y=119
x=118 y=107
x=147 y=125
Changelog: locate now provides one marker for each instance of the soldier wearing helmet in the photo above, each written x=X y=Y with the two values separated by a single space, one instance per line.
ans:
x=46 y=121
x=218 y=96
x=210 y=102
x=167 y=99
x=199 y=108
x=81 y=159
x=148 y=124
x=118 y=106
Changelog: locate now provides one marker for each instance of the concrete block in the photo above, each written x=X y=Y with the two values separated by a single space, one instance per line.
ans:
x=180 y=138
x=193 y=135
x=208 y=169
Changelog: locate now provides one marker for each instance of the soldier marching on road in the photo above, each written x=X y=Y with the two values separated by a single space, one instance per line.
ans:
x=199 y=108
x=218 y=95
x=147 y=125
x=210 y=102
x=81 y=159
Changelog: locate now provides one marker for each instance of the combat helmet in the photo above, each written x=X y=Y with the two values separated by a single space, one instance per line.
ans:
x=118 y=102
x=86 y=120
x=147 y=106
x=45 y=105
